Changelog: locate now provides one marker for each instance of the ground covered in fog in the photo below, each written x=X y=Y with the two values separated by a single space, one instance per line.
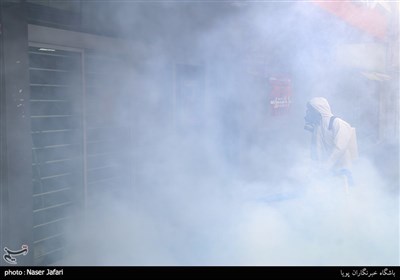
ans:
x=226 y=222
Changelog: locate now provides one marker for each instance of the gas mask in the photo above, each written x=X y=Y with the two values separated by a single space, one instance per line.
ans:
x=312 y=118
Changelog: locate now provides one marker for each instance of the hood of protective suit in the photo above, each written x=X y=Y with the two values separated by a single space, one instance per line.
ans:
x=322 y=106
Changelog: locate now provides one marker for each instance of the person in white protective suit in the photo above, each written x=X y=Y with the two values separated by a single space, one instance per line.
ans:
x=333 y=141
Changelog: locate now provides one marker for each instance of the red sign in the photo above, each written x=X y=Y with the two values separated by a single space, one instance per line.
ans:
x=280 y=96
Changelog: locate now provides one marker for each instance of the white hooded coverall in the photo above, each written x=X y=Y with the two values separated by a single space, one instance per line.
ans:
x=334 y=148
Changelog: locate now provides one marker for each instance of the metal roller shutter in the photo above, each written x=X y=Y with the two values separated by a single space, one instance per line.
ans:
x=57 y=136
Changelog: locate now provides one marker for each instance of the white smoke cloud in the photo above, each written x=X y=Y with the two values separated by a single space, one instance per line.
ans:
x=241 y=191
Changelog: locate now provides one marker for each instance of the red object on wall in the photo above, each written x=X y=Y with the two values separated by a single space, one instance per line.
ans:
x=280 y=95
